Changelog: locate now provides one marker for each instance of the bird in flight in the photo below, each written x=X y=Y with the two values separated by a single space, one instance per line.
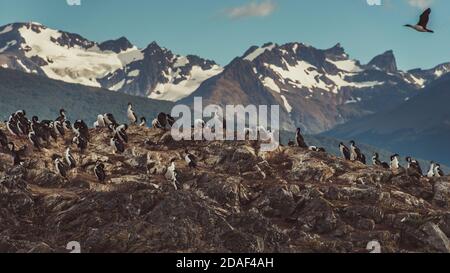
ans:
x=423 y=22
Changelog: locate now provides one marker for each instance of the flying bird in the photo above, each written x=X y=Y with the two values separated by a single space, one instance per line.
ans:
x=423 y=22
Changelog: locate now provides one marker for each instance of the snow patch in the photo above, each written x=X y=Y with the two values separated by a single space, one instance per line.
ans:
x=270 y=83
x=181 y=61
x=346 y=65
x=134 y=73
x=286 y=104
x=255 y=54
x=174 y=92
x=7 y=29
x=26 y=69
x=118 y=86
x=8 y=44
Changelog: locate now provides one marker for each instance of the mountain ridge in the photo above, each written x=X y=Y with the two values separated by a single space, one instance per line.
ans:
x=316 y=89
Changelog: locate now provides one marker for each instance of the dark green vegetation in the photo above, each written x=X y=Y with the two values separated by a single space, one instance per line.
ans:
x=44 y=97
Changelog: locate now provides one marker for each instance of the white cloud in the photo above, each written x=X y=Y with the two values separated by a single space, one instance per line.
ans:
x=253 y=9
x=420 y=3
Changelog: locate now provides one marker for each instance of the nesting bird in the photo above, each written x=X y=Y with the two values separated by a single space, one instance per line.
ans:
x=413 y=166
x=81 y=143
x=395 y=162
x=131 y=114
x=437 y=171
x=60 y=167
x=80 y=128
x=121 y=133
x=430 y=173
x=377 y=162
x=190 y=159
x=70 y=160
x=317 y=149
x=172 y=175
x=143 y=122
x=34 y=139
x=117 y=145
x=109 y=119
x=11 y=125
x=99 y=171
x=100 y=122
x=16 y=155
x=62 y=116
x=345 y=151
x=300 y=140
x=355 y=153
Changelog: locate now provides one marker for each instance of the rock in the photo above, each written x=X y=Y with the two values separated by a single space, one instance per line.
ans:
x=441 y=193
x=236 y=200
x=436 y=238
x=366 y=224
x=370 y=212
x=278 y=202
x=319 y=215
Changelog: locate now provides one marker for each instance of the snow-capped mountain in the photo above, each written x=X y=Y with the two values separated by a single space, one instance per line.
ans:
x=116 y=64
x=316 y=89
x=426 y=76
x=161 y=75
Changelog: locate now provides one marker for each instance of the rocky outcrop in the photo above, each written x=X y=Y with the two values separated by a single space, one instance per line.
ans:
x=236 y=200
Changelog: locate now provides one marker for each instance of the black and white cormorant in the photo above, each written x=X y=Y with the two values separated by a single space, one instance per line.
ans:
x=117 y=145
x=70 y=160
x=395 y=162
x=430 y=173
x=377 y=162
x=345 y=151
x=143 y=122
x=413 y=166
x=356 y=154
x=190 y=159
x=99 y=171
x=11 y=125
x=132 y=117
x=34 y=139
x=16 y=155
x=300 y=140
x=438 y=171
x=81 y=143
x=60 y=167
x=62 y=116
x=109 y=119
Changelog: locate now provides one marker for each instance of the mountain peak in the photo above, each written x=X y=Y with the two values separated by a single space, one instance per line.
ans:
x=117 y=45
x=385 y=62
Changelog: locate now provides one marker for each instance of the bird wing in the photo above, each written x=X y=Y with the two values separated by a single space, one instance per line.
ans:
x=424 y=18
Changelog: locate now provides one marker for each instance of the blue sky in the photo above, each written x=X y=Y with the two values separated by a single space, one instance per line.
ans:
x=221 y=30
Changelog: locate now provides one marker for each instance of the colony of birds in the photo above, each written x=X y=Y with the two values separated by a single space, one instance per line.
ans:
x=41 y=133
